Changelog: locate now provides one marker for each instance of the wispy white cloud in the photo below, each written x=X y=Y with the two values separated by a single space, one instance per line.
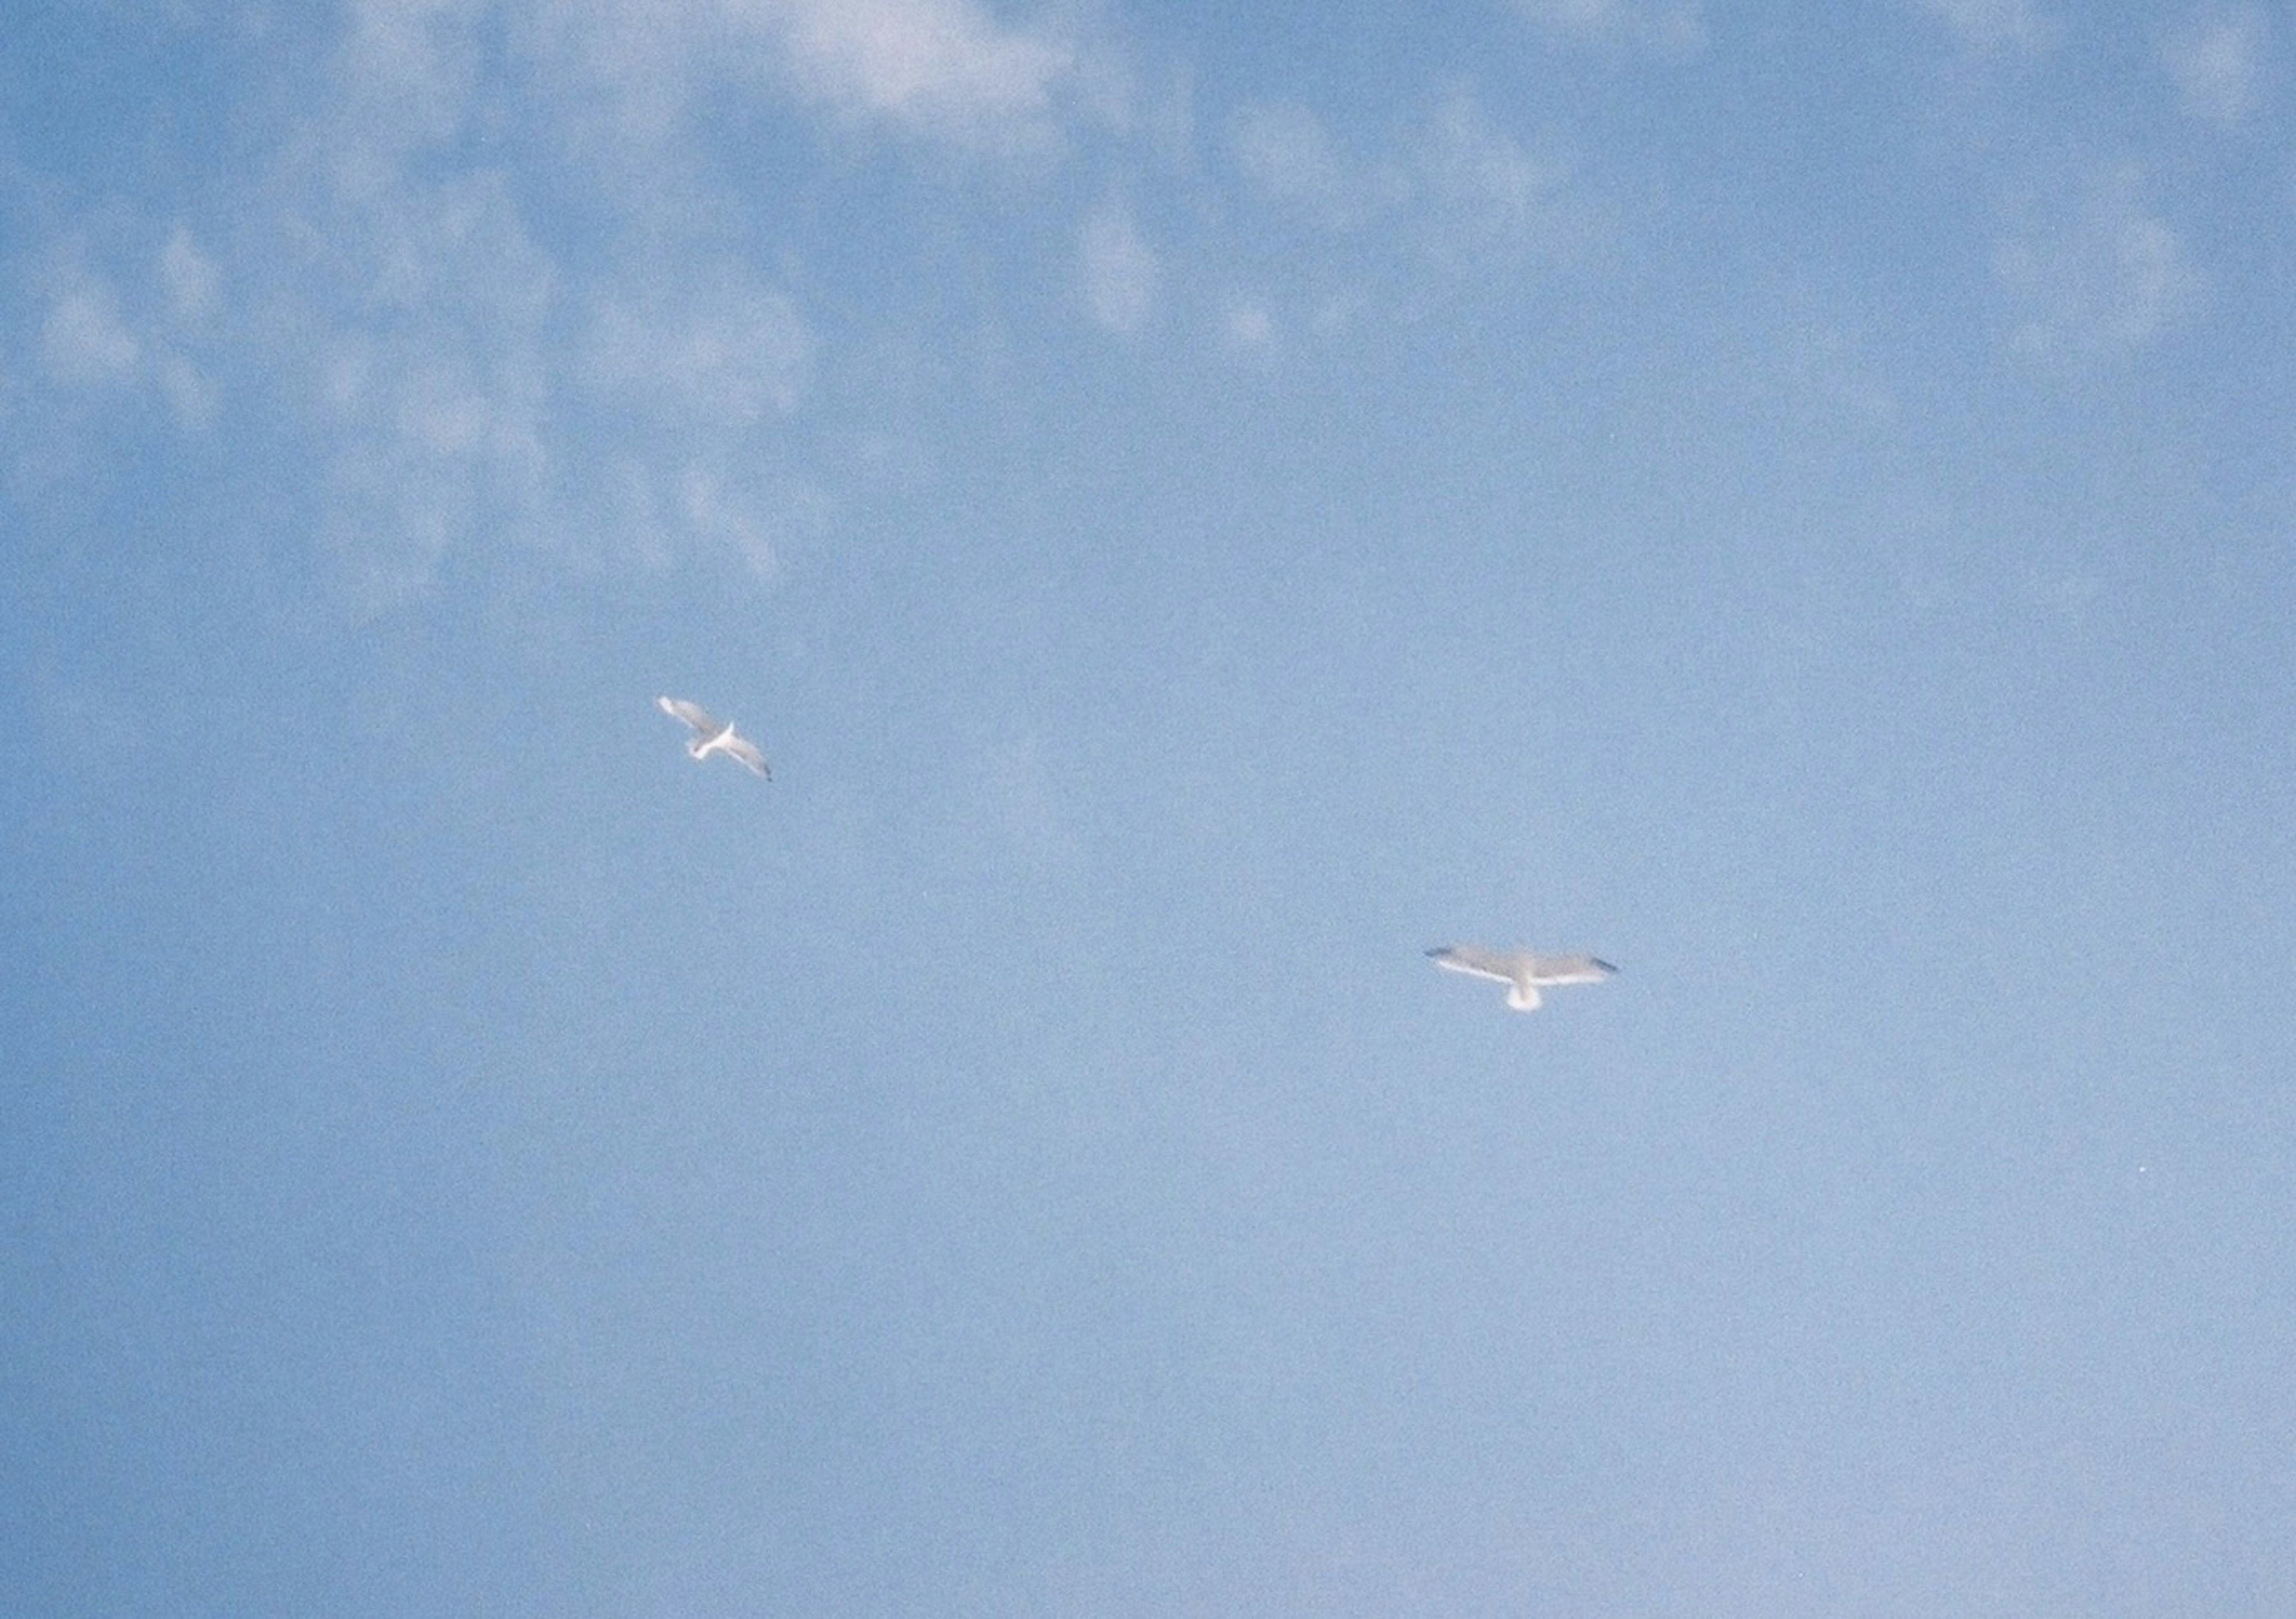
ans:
x=949 y=70
x=1122 y=271
x=1285 y=154
x=1248 y=326
x=455 y=371
x=1672 y=26
x=947 y=66
x=84 y=342
x=1336 y=235
x=718 y=349
x=1992 y=25
x=2215 y=61
x=460 y=376
x=190 y=396
x=1480 y=189
x=634 y=89
x=405 y=74
x=413 y=321
x=479 y=326
x=632 y=412
x=104 y=331
x=748 y=520
x=1456 y=187
x=2100 y=276
x=192 y=284
x=119 y=326
x=699 y=381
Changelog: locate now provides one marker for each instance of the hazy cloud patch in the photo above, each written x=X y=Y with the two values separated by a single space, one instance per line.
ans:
x=693 y=375
x=1022 y=799
x=1286 y=155
x=1992 y=25
x=1122 y=271
x=1676 y=27
x=192 y=398
x=420 y=314
x=421 y=447
x=747 y=521
x=1457 y=189
x=1480 y=188
x=194 y=286
x=712 y=349
x=441 y=360
x=100 y=341
x=2101 y=276
x=2215 y=60
x=404 y=77
x=84 y=342
x=633 y=88
x=949 y=67
x=480 y=328
x=1247 y=327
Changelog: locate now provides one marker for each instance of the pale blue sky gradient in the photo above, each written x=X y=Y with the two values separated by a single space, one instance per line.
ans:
x=1197 y=509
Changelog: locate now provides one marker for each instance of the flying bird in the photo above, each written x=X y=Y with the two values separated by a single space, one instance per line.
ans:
x=1523 y=973
x=713 y=735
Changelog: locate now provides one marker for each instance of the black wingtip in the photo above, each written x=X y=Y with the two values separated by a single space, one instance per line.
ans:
x=1439 y=950
x=1605 y=966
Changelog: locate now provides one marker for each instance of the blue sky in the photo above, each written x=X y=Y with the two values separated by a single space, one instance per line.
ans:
x=1197 y=509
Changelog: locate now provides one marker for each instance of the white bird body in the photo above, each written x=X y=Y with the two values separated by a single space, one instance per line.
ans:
x=713 y=735
x=1524 y=973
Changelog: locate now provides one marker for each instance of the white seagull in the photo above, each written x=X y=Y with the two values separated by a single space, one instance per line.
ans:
x=1523 y=973
x=713 y=735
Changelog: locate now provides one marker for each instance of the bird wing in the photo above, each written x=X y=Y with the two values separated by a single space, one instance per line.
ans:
x=745 y=751
x=1570 y=969
x=693 y=713
x=1498 y=965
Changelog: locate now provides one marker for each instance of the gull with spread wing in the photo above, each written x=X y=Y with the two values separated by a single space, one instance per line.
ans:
x=713 y=735
x=1523 y=973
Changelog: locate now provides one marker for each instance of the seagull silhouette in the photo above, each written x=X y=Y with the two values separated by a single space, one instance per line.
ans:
x=713 y=735
x=1523 y=973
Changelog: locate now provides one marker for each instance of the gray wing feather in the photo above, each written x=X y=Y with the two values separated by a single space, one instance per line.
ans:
x=693 y=713
x=745 y=751
x=1570 y=969
x=1498 y=965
